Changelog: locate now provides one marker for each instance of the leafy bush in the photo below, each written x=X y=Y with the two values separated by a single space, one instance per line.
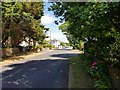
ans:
x=102 y=83
x=88 y=59
x=100 y=74
x=91 y=50
x=98 y=71
x=39 y=47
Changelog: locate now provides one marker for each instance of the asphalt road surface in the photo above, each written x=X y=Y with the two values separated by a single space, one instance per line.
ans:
x=49 y=70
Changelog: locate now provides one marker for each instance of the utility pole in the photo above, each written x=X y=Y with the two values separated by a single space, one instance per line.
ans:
x=50 y=40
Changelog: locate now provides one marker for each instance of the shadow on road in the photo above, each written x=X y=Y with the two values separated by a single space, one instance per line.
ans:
x=37 y=74
x=42 y=73
x=65 y=55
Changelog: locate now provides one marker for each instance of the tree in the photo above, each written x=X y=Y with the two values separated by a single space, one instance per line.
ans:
x=62 y=43
x=21 y=20
x=97 y=24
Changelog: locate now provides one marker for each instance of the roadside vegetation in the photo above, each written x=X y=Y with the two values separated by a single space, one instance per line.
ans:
x=87 y=73
x=21 y=22
x=94 y=28
x=91 y=27
x=78 y=76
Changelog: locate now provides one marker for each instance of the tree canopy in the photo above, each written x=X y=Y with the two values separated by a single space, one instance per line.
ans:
x=96 y=24
x=21 y=20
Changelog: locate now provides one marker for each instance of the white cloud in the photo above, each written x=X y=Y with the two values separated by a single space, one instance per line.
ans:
x=47 y=19
x=58 y=36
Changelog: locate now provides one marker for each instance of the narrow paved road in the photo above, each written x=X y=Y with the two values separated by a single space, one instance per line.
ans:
x=49 y=70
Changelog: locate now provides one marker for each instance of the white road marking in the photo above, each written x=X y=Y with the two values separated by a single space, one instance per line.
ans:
x=10 y=75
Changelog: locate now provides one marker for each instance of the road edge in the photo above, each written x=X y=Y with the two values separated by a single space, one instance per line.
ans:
x=9 y=61
x=69 y=77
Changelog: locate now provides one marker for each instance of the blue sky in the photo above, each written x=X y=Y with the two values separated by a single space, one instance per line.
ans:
x=48 y=20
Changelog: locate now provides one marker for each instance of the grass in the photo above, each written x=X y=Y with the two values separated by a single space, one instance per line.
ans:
x=79 y=78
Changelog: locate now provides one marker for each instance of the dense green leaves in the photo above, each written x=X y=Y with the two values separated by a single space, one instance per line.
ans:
x=21 y=20
x=97 y=24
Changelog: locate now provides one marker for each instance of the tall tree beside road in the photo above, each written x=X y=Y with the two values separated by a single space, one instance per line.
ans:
x=21 y=20
x=97 y=24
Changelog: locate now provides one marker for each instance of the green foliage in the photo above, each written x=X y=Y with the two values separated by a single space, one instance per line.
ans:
x=52 y=46
x=96 y=24
x=38 y=47
x=88 y=59
x=62 y=43
x=22 y=20
x=91 y=50
x=67 y=44
x=101 y=76
x=99 y=72
x=102 y=83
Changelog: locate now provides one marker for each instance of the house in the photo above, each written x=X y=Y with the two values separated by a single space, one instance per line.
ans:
x=26 y=42
x=55 y=42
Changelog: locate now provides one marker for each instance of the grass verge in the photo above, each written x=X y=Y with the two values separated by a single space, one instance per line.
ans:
x=88 y=73
x=79 y=78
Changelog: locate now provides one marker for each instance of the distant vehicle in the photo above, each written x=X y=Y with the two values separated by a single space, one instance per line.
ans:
x=68 y=47
x=60 y=47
